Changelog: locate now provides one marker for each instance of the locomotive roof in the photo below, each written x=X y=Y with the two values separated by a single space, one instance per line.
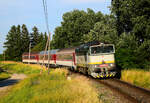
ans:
x=71 y=50
x=51 y=51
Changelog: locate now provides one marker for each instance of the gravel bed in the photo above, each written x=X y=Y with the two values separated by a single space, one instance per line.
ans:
x=140 y=94
x=105 y=94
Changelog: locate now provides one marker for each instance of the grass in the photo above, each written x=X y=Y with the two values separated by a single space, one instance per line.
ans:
x=137 y=77
x=18 y=67
x=49 y=88
x=4 y=75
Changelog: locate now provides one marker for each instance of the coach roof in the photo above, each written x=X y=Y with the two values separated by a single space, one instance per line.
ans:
x=67 y=50
x=51 y=51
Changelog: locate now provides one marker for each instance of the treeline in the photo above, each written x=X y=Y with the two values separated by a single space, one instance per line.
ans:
x=18 y=39
x=128 y=27
x=133 y=26
x=1 y=57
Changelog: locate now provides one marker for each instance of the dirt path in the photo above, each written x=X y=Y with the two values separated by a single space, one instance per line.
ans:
x=5 y=84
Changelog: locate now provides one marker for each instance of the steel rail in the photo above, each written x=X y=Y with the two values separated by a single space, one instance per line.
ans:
x=130 y=92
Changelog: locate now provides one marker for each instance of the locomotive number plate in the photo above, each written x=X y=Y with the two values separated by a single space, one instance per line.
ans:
x=103 y=65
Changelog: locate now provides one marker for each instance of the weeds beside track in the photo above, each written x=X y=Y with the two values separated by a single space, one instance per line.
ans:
x=137 y=77
x=132 y=93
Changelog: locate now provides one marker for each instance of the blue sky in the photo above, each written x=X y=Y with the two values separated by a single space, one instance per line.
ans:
x=30 y=12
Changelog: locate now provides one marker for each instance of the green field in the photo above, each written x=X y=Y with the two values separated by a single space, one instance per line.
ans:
x=137 y=77
x=4 y=75
x=47 y=88
x=18 y=67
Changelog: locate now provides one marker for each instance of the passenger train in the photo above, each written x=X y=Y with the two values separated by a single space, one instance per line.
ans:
x=93 y=58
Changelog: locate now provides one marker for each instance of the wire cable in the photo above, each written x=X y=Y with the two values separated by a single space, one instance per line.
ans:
x=46 y=14
x=48 y=40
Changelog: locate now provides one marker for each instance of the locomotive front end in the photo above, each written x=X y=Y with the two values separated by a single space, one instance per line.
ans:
x=101 y=61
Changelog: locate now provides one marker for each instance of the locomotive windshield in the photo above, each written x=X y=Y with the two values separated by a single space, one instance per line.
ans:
x=102 y=49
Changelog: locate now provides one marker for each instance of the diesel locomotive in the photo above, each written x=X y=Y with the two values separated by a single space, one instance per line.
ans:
x=93 y=58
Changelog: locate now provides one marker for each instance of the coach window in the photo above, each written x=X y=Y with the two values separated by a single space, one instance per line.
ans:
x=32 y=57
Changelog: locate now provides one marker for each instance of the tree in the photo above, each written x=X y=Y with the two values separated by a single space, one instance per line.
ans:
x=143 y=55
x=40 y=46
x=25 y=38
x=41 y=37
x=18 y=39
x=1 y=57
x=133 y=23
x=74 y=25
x=126 y=51
x=116 y=5
x=35 y=36
x=133 y=16
x=103 y=31
x=13 y=44
x=59 y=39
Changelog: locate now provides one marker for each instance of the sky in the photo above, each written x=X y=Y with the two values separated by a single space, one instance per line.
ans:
x=30 y=12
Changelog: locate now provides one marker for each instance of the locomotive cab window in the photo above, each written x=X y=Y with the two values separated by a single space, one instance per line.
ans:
x=102 y=49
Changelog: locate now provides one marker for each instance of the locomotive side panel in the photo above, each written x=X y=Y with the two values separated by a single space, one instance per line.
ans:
x=81 y=61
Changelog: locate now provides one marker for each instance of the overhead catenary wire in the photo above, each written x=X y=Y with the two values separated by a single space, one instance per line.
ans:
x=46 y=15
x=49 y=34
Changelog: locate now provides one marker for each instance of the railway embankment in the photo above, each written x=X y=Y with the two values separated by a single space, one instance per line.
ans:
x=55 y=87
x=104 y=93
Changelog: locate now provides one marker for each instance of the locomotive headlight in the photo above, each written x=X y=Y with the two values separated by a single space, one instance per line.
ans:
x=111 y=65
x=95 y=66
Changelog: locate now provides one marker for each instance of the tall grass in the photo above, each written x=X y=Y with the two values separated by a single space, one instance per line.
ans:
x=47 y=88
x=52 y=88
x=4 y=76
x=137 y=77
x=18 y=67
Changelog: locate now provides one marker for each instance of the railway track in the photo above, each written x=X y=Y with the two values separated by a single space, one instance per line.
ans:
x=128 y=91
x=131 y=92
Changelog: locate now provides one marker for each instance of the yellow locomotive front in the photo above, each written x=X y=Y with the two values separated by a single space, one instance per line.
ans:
x=101 y=61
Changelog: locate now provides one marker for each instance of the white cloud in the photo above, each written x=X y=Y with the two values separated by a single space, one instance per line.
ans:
x=84 y=1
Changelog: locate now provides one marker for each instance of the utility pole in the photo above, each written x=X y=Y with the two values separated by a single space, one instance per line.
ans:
x=49 y=34
x=49 y=51
x=29 y=52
